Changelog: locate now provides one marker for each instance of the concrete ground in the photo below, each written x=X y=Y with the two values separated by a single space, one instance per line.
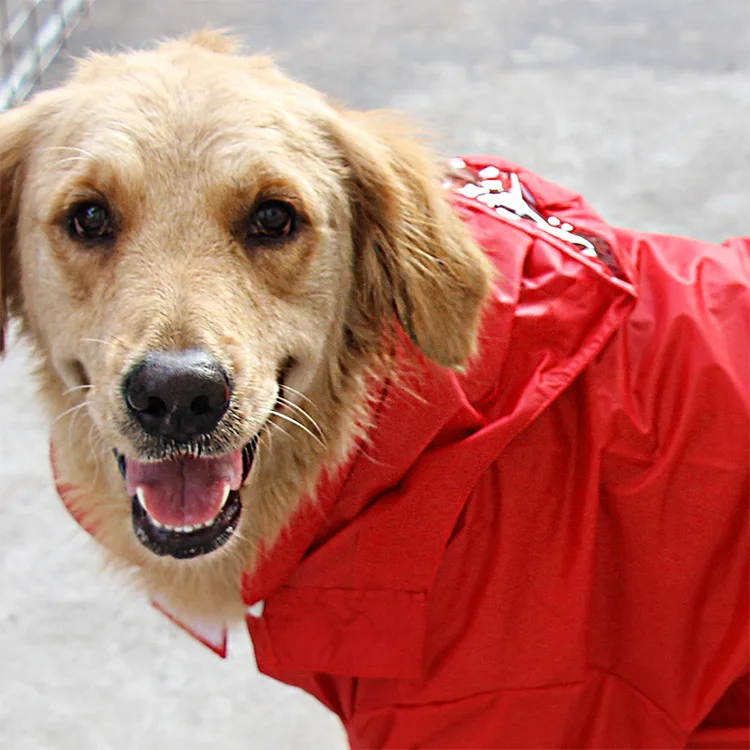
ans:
x=642 y=105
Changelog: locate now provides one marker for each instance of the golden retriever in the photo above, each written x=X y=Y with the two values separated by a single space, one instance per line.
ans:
x=219 y=270
x=211 y=261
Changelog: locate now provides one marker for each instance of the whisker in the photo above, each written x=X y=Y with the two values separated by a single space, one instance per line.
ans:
x=77 y=388
x=68 y=411
x=69 y=159
x=280 y=429
x=71 y=427
x=93 y=454
x=302 y=427
x=260 y=454
x=302 y=412
x=70 y=148
x=300 y=394
x=291 y=403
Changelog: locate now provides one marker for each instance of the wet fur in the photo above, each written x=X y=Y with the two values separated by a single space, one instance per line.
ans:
x=181 y=141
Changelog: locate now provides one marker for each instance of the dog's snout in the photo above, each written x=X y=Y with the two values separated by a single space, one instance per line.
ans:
x=177 y=394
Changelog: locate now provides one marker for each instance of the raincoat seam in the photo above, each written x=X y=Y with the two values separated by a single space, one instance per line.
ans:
x=554 y=686
x=666 y=714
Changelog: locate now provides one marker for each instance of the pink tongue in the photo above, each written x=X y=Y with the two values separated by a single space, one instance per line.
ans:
x=187 y=491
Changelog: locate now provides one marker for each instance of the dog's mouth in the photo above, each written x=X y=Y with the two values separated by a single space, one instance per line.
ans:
x=187 y=506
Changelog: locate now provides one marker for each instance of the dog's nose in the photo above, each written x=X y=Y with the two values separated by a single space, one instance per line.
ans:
x=177 y=394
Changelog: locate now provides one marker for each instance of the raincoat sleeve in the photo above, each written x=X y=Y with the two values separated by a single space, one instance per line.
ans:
x=728 y=723
x=674 y=388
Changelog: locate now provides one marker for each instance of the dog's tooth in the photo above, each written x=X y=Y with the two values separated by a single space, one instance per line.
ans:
x=227 y=490
x=141 y=495
x=158 y=524
x=182 y=529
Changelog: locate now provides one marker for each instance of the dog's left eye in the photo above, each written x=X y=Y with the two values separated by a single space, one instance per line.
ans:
x=90 y=221
x=272 y=218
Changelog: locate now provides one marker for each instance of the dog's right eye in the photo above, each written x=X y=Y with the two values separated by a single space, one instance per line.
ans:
x=90 y=221
x=272 y=220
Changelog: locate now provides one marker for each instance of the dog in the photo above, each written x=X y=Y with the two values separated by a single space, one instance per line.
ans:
x=472 y=463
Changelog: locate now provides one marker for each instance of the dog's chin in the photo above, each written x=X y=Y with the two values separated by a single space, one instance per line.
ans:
x=187 y=507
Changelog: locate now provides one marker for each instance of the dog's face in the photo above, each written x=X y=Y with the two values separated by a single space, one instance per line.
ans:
x=210 y=260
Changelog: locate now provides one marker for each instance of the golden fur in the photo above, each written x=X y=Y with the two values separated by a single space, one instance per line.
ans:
x=181 y=141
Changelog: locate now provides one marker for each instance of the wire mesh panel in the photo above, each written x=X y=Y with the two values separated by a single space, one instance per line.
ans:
x=31 y=34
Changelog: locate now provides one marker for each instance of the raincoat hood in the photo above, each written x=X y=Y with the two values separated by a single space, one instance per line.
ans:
x=549 y=550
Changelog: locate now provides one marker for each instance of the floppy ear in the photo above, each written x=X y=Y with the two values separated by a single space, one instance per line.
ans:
x=16 y=128
x=18 y=131
x=414 y=257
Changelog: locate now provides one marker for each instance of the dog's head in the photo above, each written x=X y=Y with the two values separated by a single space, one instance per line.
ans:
x=210 y=260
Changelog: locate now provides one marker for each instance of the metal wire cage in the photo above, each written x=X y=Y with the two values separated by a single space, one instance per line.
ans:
x=32 y=32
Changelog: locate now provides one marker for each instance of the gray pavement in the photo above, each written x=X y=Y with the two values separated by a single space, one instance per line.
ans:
x=642 y=105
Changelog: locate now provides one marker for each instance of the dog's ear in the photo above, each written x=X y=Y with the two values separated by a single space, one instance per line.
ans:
x=17 y=132
x=414 y=257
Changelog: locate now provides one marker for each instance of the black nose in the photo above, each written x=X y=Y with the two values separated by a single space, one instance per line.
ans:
x=177 y=394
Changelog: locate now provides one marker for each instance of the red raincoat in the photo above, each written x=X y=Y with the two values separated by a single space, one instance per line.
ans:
x=551 y=550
